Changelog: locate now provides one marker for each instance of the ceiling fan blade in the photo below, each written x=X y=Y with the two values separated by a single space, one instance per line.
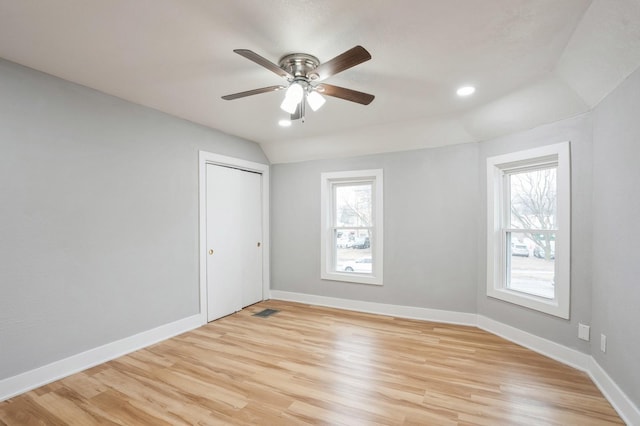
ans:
x=252 y=92
x=344 y=61
x=344 y=93
x=263 y=62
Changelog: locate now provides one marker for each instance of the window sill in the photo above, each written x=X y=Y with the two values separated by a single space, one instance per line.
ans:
x=541 y=304
x=352 y=278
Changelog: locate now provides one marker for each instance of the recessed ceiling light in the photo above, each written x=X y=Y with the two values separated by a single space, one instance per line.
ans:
x=284 y=123
x=466 y=91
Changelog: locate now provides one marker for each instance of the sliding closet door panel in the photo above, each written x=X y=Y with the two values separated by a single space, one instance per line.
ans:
x=234 y=249
x=252 y=250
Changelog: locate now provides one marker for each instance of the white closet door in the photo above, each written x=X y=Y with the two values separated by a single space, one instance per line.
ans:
x=252 y=230
x=234 y=246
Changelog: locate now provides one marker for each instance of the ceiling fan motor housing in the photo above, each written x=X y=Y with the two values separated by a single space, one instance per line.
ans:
x=300 y=65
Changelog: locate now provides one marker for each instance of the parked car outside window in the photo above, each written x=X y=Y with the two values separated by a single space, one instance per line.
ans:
x=362 y=266
x=361 y=243
x=343 y=242
x=519 y=249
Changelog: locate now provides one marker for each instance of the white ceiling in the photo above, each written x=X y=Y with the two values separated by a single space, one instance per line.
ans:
x=532 y=61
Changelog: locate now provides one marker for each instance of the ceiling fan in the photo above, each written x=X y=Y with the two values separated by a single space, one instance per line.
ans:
x=304 y=74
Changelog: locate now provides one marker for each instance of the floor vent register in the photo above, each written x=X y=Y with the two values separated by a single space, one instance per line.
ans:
x=266 y=313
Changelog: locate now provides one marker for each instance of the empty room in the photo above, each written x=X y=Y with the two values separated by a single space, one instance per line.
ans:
x=345 y=212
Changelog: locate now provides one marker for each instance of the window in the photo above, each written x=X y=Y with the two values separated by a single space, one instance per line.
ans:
x=351 y=242
x=528 y=230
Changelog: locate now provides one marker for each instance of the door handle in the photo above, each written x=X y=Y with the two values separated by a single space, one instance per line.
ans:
x=210 y=251
x=258 y=243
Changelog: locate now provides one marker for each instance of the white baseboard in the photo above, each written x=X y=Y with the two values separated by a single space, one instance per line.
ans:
x=40 y=376
x=576 y=359
x=561 y=353
x=620 y=401
x=32 y=379
x=581 y=361
x=399 y=311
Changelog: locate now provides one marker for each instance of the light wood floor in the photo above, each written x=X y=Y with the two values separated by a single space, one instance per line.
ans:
x=313 y=365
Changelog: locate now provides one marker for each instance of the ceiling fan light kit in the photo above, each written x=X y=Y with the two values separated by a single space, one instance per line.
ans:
x=315 y=100
x=292 y=97
x=288 y=105
x=304 y=73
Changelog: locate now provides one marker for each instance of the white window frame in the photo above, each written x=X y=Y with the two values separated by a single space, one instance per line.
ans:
x=497 y=253
x=327 y=249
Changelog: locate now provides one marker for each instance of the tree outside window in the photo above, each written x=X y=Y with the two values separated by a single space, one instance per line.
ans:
x=528 y=228
x=352 y=226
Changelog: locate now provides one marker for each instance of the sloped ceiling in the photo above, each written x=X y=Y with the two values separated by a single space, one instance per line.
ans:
x=532 y=62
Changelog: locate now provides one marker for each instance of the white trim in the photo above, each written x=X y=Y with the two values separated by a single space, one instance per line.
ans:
x=571 y=357
x=40 y=376
x=327 y=269
x=561 y=353
x=399 y=311
x=560 y=305
x=619 y=400
x=221 y=160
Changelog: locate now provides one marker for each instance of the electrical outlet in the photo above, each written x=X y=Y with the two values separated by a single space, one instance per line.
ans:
x=603 y=343
x=583 y=332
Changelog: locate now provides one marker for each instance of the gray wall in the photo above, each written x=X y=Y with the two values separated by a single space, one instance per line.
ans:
x=578 y=131
x=98 y=217
x=435 y=229
x=99 y=223
x=616 y=235
x=430 y=228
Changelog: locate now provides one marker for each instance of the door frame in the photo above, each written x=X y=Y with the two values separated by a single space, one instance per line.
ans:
x=206 y=158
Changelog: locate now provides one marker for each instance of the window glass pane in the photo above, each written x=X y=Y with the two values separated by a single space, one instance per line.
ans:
x=352 y=219
x=353 y=205
x=533 y=199
x=531 y=263
x=353 y=251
